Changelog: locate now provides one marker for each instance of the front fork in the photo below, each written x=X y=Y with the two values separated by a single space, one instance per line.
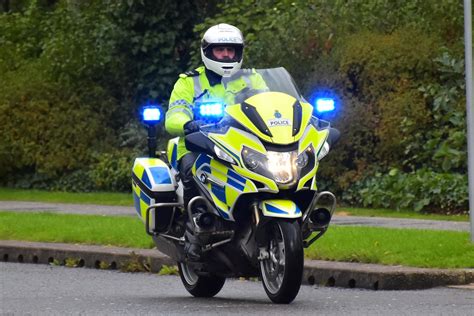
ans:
x=315 y=219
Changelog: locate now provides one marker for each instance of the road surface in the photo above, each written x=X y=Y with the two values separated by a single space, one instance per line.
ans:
x=52 y=290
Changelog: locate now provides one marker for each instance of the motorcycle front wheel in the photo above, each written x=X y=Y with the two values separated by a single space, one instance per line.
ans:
x=198 y=285
x=282 y=270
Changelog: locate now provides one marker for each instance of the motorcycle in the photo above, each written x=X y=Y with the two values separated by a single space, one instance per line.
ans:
x=258 y=206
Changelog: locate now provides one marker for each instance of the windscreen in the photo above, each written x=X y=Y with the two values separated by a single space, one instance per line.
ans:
x=248 y=82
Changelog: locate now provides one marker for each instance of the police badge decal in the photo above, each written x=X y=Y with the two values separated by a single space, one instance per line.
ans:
x=278 y=120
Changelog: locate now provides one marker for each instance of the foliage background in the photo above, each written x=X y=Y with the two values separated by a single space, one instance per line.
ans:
x=74 y=74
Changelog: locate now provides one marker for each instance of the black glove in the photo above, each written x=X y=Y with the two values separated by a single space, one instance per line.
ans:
x=191 y=127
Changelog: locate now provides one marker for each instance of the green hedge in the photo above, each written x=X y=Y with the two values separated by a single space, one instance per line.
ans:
x=423 y=190
x=73 y=76
x=45 y=128
x=109 y=172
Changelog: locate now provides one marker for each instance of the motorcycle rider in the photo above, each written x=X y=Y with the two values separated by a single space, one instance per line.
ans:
x=222 y=54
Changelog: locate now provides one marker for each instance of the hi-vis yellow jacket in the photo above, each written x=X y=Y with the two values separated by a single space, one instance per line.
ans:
x=193 y=86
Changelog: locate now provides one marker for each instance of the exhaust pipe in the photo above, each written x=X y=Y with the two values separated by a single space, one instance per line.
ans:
x=205 y=220
x=194 y=203
x=320 y=216
x=200 y=211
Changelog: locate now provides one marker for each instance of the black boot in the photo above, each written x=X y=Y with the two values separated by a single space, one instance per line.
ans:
x=192 y=247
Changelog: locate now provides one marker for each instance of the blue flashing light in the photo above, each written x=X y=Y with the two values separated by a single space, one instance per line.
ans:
x=211 y=110
x=325 y=105
x=151 y=114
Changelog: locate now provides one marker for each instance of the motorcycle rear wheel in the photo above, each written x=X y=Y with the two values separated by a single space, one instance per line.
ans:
x=282 y=271
x=198 y=285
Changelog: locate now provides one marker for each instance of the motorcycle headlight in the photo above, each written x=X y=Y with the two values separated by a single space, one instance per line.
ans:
x=279 y=166
x=253 y=159
x=282 y=165
x=302 y=160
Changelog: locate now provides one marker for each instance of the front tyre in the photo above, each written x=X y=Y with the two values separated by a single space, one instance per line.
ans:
x=198 y=285
x=282 y=270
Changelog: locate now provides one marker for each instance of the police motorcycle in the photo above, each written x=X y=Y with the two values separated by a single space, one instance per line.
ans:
x=259 y=206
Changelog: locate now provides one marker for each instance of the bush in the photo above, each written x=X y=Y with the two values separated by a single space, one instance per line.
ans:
x=423 y=190
x=73 y=74
x=376 y=77
x=45 y=128
x=109 y=172
x=112 y=172
x=76 y=181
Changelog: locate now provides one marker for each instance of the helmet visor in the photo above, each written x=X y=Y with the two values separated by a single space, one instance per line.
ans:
x=223 y=53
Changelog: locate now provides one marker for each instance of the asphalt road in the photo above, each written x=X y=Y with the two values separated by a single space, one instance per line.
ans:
x=130 y=211
x=52 y=290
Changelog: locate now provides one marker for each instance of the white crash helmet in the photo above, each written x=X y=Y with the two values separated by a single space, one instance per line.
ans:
x=222 y=35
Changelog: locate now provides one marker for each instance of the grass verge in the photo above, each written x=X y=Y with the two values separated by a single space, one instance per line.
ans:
x=367 y=212
x=101 y=198
x=67 y=228
x=409 y=247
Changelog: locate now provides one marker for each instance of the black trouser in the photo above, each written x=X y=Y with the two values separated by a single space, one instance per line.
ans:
x=192 y=248
x=185 y=166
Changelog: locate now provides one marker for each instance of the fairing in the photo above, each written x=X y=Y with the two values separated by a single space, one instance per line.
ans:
x=276 y=119
x=277 y=113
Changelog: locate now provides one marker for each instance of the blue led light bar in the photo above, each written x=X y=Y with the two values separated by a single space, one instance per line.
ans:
x=151 y=114
x=211 y=109
x=325 y=105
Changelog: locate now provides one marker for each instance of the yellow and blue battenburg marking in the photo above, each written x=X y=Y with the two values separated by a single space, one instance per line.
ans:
x=228 y=187
x=280 y=208
x=150 y=176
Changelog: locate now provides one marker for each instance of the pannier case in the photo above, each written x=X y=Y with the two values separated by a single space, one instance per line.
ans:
x=152 y=183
